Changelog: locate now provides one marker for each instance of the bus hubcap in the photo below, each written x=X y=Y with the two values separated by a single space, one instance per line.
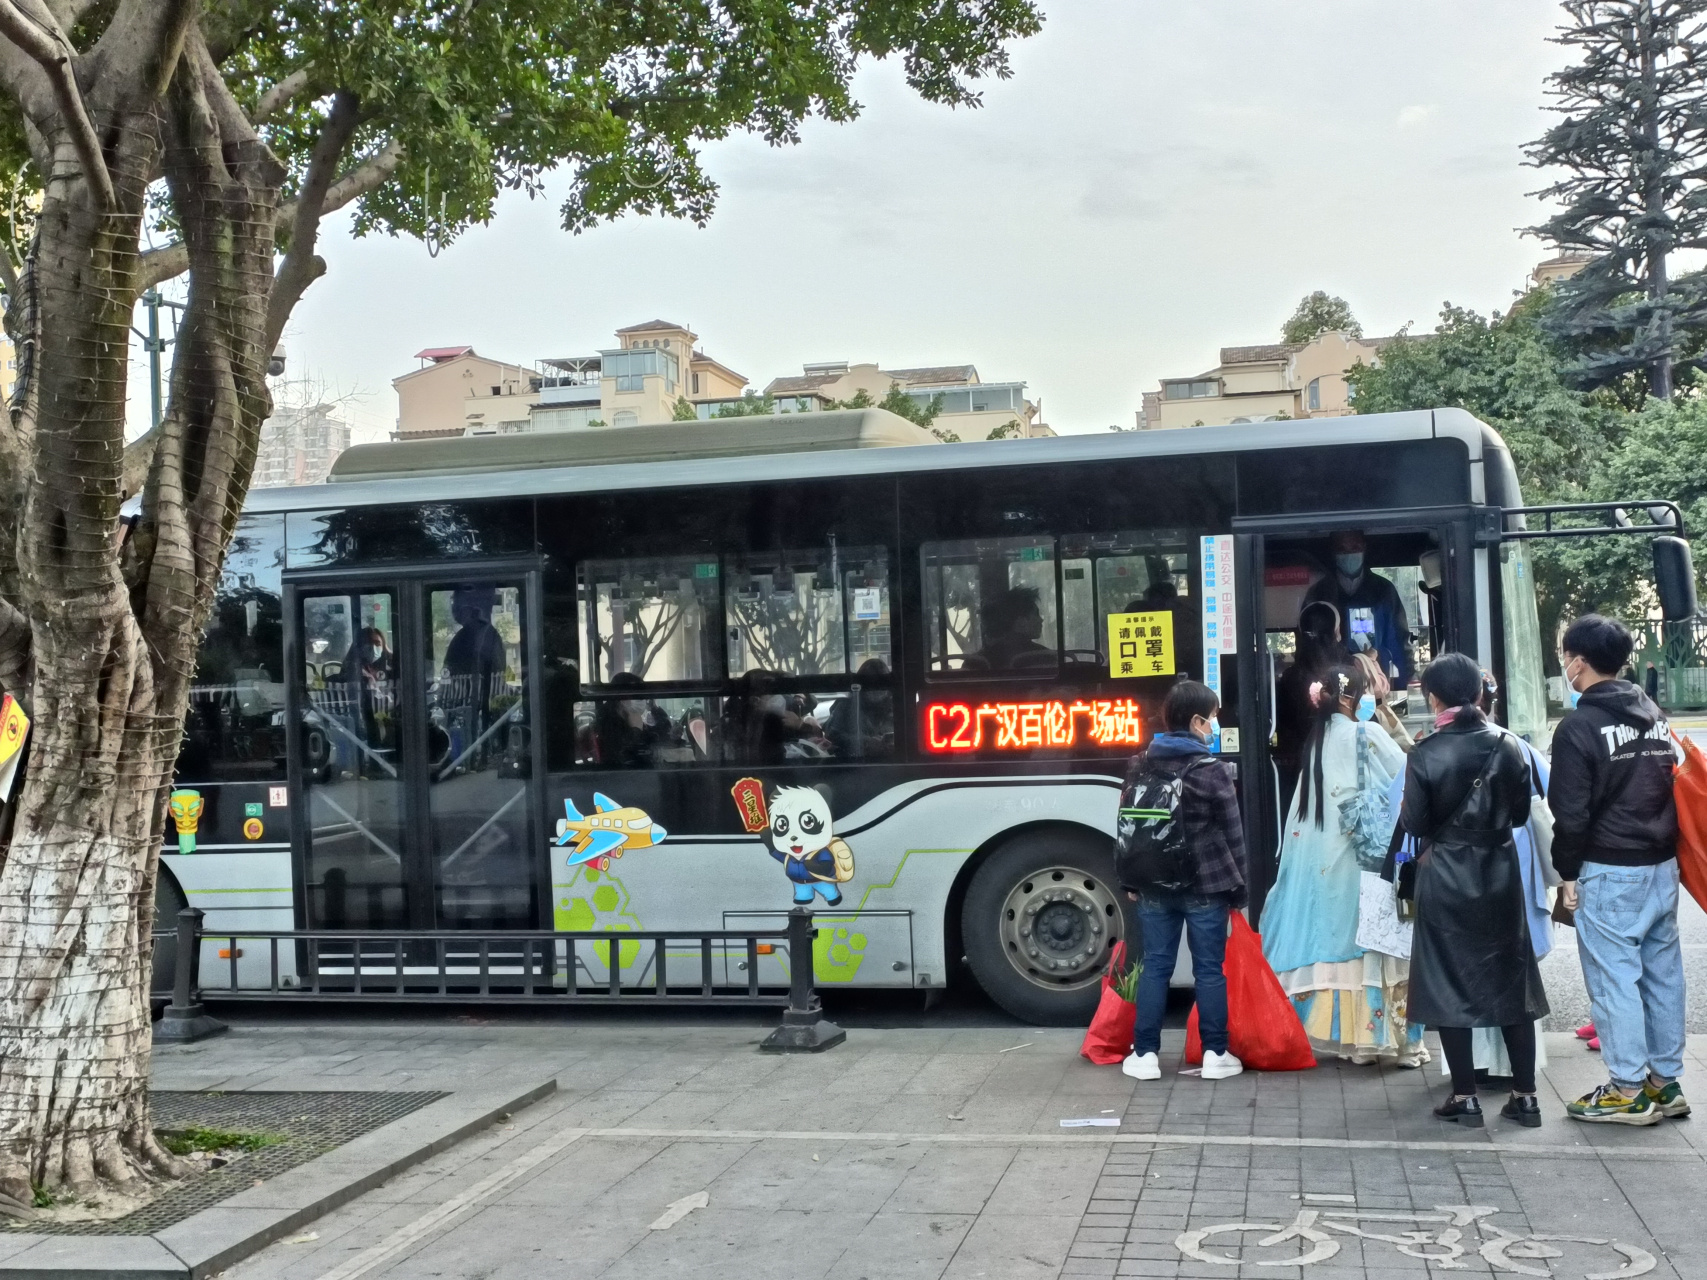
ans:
x=1057 y=925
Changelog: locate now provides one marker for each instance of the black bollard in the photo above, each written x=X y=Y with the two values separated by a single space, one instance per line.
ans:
x=804 y=1028
x=184 y=1019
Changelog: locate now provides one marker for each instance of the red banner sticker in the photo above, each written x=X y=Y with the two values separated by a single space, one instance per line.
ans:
x=749 y=796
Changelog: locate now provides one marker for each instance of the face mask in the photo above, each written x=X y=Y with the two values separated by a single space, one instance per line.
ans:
x=1214 y=727
x=1366 y=707
x=1350 y=563
x=374 y=652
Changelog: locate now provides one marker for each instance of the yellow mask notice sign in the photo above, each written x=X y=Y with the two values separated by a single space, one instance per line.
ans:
x=14 y=729
x=1140 y=644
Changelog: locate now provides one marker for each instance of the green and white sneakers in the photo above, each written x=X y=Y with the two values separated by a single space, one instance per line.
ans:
x=1609 y=1105
x=1668 y=1098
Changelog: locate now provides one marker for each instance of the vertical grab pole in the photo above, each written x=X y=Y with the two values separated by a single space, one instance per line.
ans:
x=804 y=1028
x=184 y=1019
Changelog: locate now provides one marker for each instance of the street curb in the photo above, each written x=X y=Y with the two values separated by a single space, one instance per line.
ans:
x=210 y=1241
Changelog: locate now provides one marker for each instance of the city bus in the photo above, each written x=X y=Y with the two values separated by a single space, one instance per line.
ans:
x=693 y=675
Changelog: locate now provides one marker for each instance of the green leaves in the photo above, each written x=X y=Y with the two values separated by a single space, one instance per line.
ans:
x=492 y=96
x=1318 y=313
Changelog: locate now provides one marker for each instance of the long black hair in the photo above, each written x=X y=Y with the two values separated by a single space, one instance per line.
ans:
x=1343 y=681
x=1456 y=679
x=1319 y=643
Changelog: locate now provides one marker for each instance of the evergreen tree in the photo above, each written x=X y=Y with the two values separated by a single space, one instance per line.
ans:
x=1632 y=143
x=1320 y=313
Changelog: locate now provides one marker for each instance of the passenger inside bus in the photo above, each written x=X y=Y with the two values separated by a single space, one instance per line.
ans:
x=1012 y=623
x=370 y=670
x=628 y=731
x=763 y=725
x=862 y=724
x=1375 y=620
x=476 y=649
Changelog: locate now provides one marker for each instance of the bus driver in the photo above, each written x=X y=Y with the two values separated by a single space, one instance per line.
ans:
x=1374 y=617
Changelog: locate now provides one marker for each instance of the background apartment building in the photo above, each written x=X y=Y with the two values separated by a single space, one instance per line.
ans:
x=657 y=373
x=1264 y=383
x=299 y=443
x=970 y=407
x=642 y=380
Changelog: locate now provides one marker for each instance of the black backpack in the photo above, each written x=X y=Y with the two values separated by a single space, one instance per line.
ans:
x=1149 y=835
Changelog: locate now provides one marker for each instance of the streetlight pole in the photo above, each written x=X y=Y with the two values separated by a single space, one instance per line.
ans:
x=155 y=345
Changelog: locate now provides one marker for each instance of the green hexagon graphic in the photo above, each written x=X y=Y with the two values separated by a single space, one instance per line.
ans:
x=837 y=953
x=594 y=899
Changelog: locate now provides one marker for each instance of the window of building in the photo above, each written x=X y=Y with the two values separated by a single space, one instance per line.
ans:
x=1191 y=389
x=807 y=613
x=696 y=384
x=1313 y=394
x=990 y=606
x=624 y=418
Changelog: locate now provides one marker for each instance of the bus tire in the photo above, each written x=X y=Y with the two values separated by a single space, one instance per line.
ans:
x=169 y=899
x=1038 y=920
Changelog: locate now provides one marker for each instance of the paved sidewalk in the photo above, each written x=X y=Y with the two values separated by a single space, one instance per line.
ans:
x=679 y=1150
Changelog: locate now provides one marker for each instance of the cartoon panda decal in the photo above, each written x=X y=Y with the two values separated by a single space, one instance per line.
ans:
x=796 y=827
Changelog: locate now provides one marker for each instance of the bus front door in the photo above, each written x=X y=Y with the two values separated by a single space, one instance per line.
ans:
x=411 y=710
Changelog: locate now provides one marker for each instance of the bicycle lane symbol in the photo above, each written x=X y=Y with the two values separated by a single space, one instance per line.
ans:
x=1443 y=1246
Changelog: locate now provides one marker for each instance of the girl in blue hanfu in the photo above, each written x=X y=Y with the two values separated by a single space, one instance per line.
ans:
x=1351 y=1001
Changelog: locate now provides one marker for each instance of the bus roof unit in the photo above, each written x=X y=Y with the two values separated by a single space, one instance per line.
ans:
x=664 y=441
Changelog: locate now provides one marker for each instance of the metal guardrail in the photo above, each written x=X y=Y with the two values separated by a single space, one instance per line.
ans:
x=501 y=967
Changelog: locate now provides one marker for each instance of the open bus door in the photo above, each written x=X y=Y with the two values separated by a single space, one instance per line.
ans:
x=1432 y=558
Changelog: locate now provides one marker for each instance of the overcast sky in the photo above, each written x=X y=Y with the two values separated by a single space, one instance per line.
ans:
x=1156 y=181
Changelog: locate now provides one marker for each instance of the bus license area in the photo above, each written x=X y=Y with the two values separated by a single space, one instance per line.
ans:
x=1021 y=726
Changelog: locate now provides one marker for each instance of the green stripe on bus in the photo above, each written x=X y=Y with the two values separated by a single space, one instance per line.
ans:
x=1145 y=813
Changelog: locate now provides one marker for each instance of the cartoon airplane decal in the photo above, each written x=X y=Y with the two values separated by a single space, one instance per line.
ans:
x=606 y=832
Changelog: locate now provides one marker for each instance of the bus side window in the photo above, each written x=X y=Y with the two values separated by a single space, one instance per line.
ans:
x=234 y=728
x=807 y=613
x=990 y=607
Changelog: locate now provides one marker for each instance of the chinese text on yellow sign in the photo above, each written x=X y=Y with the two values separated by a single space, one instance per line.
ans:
x=1140 y=644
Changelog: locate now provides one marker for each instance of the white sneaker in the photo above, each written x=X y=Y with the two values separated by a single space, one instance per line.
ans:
x=1218 y=1066
x=1141 y=1066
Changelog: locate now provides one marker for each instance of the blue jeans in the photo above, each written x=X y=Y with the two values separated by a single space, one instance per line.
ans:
x=1633 y=967
x=1159 y=920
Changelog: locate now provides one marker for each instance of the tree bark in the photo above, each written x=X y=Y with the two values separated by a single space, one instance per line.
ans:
x=110 y=654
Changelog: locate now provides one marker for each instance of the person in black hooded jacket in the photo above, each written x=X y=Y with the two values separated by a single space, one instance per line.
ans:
x=1472 y=963
x=1615 y=848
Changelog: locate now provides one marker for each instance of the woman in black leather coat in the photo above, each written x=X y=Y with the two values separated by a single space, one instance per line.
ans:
x=1472 y=964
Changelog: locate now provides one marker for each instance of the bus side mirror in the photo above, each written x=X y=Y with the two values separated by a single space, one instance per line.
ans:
x=1674 y=578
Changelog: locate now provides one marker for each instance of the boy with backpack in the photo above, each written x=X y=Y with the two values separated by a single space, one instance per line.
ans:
x=1180 y=856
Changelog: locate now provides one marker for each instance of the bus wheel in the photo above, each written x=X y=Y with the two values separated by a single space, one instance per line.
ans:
x=1039 y=918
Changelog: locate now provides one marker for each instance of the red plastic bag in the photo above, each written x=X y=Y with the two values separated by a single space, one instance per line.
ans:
x=1689 y=789
x=1263 y=1030
x=1109 y=1039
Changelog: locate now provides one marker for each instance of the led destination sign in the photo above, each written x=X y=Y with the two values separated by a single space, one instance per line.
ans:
x=1021 y=726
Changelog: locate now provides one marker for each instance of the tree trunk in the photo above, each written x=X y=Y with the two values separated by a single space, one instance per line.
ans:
x=114 y=643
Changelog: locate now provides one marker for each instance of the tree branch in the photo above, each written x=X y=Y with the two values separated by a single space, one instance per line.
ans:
x=298 y=270
x=280 y=93
x=41 y=38
x=173 y=259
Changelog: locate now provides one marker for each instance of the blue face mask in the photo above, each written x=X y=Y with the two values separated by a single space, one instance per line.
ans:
x=1349 y=563
x=1366 y=707
x=1572 y=697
